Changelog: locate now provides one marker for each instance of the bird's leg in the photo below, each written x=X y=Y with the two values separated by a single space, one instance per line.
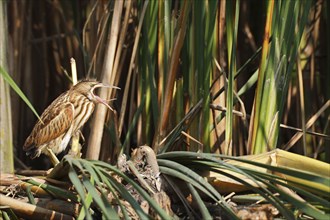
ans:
x=52 y=157
x=75 y=145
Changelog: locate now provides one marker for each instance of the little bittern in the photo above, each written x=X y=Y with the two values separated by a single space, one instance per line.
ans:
x=63 y=118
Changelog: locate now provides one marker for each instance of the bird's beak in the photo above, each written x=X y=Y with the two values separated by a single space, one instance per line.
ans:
x=99 y=99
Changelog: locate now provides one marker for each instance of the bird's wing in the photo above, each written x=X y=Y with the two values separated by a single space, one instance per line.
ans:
x=56 y=120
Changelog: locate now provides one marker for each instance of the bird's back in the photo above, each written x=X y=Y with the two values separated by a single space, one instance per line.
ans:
x=55 y=121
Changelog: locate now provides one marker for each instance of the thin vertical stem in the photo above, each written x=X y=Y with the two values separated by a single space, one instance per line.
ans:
x=95 y=138
x=254 y=126
x=302 y=103
x=232 y=26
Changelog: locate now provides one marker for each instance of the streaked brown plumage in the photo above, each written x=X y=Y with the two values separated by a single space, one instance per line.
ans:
x=63 y=118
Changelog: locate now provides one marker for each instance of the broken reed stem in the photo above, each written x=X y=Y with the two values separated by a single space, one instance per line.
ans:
x=75 y=146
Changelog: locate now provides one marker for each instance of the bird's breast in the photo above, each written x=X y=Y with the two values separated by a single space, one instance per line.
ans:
x=83 y=109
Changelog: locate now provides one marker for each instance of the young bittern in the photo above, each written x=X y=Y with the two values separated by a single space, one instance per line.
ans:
x=62 y=119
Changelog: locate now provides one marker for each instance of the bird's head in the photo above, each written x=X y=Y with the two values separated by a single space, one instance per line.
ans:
x=87 y=88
